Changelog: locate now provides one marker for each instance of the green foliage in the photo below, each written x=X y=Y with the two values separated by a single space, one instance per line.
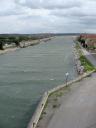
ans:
x=1 y=46
x=77 y=46
x=85 y=62
x=92 y=47
x=79 y=38
x=14 y=39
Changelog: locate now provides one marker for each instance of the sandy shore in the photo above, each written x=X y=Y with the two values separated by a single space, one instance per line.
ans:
x=8 y=50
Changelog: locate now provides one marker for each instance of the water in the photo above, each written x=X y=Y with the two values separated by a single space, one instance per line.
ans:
x=26 y=73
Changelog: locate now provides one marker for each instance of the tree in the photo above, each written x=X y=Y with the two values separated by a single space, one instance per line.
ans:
x=1 y=46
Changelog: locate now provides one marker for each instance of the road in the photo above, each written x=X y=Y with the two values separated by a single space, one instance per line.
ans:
x=89 y=56
x=78 y=109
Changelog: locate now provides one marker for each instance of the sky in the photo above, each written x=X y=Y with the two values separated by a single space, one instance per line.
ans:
x=45 y=16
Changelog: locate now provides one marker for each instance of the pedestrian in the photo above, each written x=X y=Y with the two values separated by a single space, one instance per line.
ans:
x=33 y=124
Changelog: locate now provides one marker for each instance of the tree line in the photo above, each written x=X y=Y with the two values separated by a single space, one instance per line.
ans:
x=17 y=38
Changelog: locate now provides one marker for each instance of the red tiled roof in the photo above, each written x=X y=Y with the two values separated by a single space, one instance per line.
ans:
x=92 y=36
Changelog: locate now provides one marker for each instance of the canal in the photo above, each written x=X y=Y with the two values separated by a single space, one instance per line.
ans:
x=27 y=73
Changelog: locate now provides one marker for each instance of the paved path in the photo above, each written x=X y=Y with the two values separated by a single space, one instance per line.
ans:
x=93 y=53
x=89 y=56
x=78 y=109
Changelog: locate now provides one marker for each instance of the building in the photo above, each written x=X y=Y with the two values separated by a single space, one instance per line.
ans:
x=90 y=40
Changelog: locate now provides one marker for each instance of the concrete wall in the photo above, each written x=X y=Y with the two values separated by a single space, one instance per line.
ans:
x=34 y=120
x=33 y=42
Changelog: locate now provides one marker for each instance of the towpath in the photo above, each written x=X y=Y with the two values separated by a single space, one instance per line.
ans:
x=89 y=56
x=78 y=108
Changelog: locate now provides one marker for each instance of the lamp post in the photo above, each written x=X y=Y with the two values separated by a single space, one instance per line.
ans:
x=66 y=75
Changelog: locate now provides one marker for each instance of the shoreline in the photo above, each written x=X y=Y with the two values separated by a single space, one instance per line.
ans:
x=8 y=50
x=32 y=43
x=44 y=114
x=37 y=120
x=54 y=103
x=52 y=112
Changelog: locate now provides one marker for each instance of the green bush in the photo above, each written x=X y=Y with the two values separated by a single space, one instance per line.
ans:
x=86 y=63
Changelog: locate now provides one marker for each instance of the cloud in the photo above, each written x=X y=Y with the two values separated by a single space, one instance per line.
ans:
x=49 y=4
x=36 y=16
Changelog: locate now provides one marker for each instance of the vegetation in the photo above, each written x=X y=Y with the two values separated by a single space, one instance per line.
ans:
x=17 y=38
x=82 y=41
x=84 y=61
x=91 y=47
x=1 y=46
x=79 y=38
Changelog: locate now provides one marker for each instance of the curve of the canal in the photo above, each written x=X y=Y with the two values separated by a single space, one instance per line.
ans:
x=27 y=73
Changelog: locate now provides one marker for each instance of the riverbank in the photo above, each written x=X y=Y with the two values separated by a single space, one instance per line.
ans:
x=50 y=103
x=82 y=61
x=27 y=73
x=77 y=106
x=8 y=50
x=53 y=101
x=56 y=98
x=25 y=44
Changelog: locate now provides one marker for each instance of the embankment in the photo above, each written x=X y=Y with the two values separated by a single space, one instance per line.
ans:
x=36 y=117
x=24 y=44
x=8 y=50
x=82 y=61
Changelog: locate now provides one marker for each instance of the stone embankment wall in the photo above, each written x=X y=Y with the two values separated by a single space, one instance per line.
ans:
x=79 y=67
x=34 y=120
x=24 y=44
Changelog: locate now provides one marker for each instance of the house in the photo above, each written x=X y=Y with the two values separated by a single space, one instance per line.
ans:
x=90 y=40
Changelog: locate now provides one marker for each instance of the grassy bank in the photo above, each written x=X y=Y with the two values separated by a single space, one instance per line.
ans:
x=84 y=61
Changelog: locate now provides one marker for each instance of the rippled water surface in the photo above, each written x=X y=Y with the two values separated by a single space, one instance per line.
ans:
x=26 y=73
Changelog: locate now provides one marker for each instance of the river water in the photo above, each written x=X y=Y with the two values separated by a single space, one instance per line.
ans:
x=27 y=73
